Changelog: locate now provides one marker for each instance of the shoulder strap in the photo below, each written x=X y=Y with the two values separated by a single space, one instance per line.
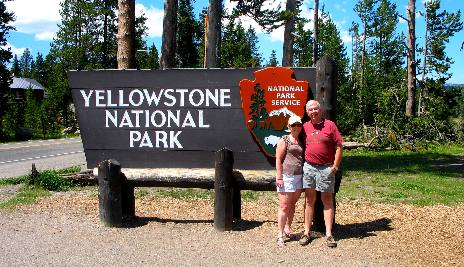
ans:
x=287 y=141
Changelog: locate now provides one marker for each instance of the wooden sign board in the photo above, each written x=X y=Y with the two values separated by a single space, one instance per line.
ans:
x=180 y=117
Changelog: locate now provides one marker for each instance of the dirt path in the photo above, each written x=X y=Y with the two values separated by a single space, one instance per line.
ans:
x=64 y=229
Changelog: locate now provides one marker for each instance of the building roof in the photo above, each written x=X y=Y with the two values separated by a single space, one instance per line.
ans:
x=25 y=83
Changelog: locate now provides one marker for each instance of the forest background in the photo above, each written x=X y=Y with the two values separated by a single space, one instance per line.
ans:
x=378 y=102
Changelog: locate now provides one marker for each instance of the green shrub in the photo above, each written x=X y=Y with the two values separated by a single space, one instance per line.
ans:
x=51 y=180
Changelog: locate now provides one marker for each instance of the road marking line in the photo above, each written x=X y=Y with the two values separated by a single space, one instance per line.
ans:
x=42 y=157
x=37 y=145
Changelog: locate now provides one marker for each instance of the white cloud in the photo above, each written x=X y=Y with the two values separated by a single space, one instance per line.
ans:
x=154 y=19
x=44 y=36
x=14 y=50
x=35 y=17
x=277 y=35
x=345 y=36
x=41 y=18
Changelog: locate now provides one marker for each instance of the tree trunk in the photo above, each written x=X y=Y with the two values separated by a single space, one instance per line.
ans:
x=363 y=56
x=424 y=91
x=287 y=58
x=126 y=34
x=316 y=29
x=213 y=43
x=411 y=102
x=168 y=46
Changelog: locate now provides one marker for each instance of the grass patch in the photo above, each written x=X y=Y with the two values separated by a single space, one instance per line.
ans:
x=434 y=176
x=248 y=195
x=177 y=193
x=191 y=193
x=15 y=180
x=72 y=169
x=53 y=181
x=50 y=180
x=26 y=195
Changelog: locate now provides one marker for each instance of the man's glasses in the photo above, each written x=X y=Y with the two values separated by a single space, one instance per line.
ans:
x=296 y=125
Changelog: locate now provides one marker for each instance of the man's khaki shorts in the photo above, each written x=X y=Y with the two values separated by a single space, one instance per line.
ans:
x=318 y=177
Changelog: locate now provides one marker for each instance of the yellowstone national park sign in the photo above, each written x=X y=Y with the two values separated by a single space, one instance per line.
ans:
x=180 y=117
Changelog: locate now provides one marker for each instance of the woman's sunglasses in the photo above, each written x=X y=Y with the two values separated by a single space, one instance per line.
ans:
x=296 y=125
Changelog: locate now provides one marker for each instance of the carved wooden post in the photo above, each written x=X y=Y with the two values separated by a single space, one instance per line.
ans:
x=109 y=193
x=223 y=190
x=326 y=95
x=326 y=87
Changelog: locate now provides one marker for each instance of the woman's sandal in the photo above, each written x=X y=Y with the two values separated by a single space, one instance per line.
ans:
x=280 y=241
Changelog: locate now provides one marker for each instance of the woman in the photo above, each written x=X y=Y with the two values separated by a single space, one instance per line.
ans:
x=289 y=166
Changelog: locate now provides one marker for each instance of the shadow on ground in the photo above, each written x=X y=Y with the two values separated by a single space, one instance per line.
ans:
x=362 y=230
x=240 y=225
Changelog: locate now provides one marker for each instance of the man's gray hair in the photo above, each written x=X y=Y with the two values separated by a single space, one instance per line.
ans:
x=311 y=102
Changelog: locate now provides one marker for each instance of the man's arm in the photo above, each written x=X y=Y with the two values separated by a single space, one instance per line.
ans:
x=338 y=158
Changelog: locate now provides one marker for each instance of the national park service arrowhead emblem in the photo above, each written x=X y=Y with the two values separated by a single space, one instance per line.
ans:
x=268 y=102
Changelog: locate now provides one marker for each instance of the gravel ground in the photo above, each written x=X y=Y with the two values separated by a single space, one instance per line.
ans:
x=64 y=230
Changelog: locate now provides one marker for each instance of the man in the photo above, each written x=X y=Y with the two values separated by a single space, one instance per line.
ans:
x=323 y=155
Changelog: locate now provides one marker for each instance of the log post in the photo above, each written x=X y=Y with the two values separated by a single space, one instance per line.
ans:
x=128 y=199
x=34 y=174
x=223 y=190
x=237 y=197
x=326 y=87
x=326 y=95
x=109 y=193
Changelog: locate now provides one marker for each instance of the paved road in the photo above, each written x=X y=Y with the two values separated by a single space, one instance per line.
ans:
x=16 y=158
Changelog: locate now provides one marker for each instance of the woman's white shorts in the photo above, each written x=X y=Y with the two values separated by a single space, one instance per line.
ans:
x=291 y=183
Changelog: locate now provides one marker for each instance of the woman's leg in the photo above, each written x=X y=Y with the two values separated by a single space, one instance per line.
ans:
x=285 y=201
x=295 y=197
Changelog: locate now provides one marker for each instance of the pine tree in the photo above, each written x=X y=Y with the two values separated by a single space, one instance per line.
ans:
x=272 y=60
x=25 y=64
x=187 y=36
x=109 y=29
x=39 y=72
x=15 y=69
x=388 y=53
x=239 y=47
x=148 y=58
x=290 y=21
x=303 y=54
x=253 y=48
x=153 y=58
x=5 y=55
x=440 y=27
x=77 y=36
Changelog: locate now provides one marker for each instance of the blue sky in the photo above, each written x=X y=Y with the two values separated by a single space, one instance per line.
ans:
x=36 y=24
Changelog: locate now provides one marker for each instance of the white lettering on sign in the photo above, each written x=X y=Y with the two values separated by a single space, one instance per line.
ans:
x=155 y=118
x=162 y=139
x=285 y=88
x=163 y=97
x=145 y=108
x=284 y=95
x=285 y=102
